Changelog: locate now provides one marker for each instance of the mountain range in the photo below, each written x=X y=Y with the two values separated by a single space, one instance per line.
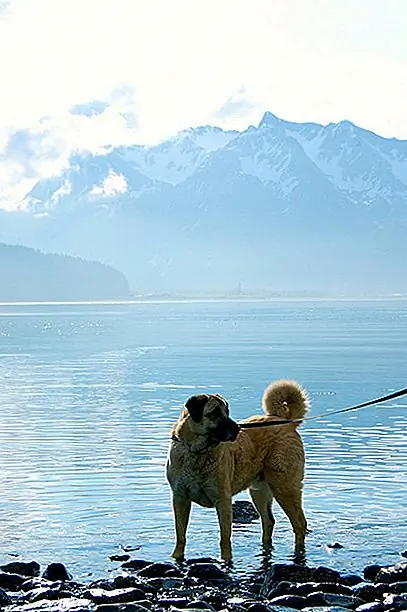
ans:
x=278 y=207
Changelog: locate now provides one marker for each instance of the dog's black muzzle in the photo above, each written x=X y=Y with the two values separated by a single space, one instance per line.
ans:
x=225 y=431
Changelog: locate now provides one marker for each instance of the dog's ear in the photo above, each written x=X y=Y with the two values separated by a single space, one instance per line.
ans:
x=195 y=406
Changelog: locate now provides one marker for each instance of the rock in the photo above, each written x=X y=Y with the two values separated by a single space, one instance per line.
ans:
x=367 y=592
x=66 y=605
x=155 y=570
x=373 y=606
x=404 y=553
x=342 y=601
x=395 y=602
x=122 y=582
x=316 y=599
x=100 y=596
x=280 y=572
x=335 y=545
x=135 y=564
x=370 y=571
x=22 y=568
x=56 y=571
x=399 y=587
x=119 y=557
x=200 y=605
x=11 y=582
x=258 y=607
x=176 y=602
x=325 y=609
x=45 y=593
x=126 y=607
x=5 y=600
x=351 y=579
x=34 y=583
x=333 y=587
x=244 y=512
x=290 y=601
x=206 y=571
x=288 y=588
x=392 y=573
x=325 y=574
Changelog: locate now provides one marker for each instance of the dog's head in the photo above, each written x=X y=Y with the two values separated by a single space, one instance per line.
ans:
x=210 y=416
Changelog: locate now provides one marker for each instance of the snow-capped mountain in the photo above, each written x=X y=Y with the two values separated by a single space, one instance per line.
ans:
x=280 y=206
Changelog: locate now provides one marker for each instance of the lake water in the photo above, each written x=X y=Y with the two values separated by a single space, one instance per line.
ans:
x=88 y=394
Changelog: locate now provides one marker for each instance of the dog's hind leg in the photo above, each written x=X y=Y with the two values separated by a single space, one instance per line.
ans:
x=290 y=500
x=262 y=498
x=182 y=511
x=224 y=512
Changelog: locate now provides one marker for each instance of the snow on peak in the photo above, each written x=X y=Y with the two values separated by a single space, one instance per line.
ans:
x=176 y=159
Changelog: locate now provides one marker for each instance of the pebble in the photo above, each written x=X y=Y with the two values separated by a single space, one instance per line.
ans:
x=202 y=585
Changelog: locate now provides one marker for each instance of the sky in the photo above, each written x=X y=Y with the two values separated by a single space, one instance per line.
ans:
x=80 y=75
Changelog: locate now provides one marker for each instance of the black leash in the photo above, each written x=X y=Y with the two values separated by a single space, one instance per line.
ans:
x=379 y=400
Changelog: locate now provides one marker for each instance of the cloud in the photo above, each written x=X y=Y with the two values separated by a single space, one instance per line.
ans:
x=113 y=184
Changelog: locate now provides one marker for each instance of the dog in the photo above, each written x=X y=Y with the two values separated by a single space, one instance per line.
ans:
x=211 y=459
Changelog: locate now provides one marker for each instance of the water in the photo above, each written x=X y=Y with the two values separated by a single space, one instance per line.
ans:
x=88 y=394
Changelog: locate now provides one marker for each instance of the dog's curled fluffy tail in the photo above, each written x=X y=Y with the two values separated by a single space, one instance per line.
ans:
x=285 y=399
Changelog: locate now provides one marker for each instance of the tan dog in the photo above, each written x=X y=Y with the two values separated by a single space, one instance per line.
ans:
x=211 y=459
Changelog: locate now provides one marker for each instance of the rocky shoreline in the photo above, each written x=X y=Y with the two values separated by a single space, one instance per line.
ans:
x=202 y=584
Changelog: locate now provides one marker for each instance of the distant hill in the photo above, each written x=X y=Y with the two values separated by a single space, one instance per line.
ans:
x=295 y=207
x=29 y=275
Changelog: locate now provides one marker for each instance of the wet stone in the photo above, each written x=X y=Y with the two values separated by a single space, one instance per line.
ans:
x=122 y=582
x=325 y=574
x=127 y=607
x=122 y=558
x=392 y=573
x=288 y=588
x=370 y=572
x=200 y=605
x=373 y=606
x=100 y=596
x=56 y=571
x=367 y=592
x=290 y=601
x=35 y=583
x=156 y=570
x=257 y=607
x=67 y=605
x=45 y=593
x=176 y=602
x=333 y=587
x=22 y=568
x=11 y=582
x=351 y=579
x=280 y=572
x=135 y=564
x=207 y=571
x=395 y=602
x=5 y=600
x=317 y=598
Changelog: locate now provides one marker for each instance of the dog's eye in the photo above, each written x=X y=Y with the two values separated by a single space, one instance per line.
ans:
x=215 y=414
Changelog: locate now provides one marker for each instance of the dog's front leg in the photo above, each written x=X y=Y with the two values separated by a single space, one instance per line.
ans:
x=224 y=511
x=182 y=510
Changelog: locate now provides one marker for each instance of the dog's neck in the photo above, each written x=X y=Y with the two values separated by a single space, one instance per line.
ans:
x=196 y=443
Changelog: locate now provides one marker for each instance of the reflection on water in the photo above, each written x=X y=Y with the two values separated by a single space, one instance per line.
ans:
x=88 y=395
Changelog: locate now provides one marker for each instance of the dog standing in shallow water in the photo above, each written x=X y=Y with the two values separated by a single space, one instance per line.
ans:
x=211 y=459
